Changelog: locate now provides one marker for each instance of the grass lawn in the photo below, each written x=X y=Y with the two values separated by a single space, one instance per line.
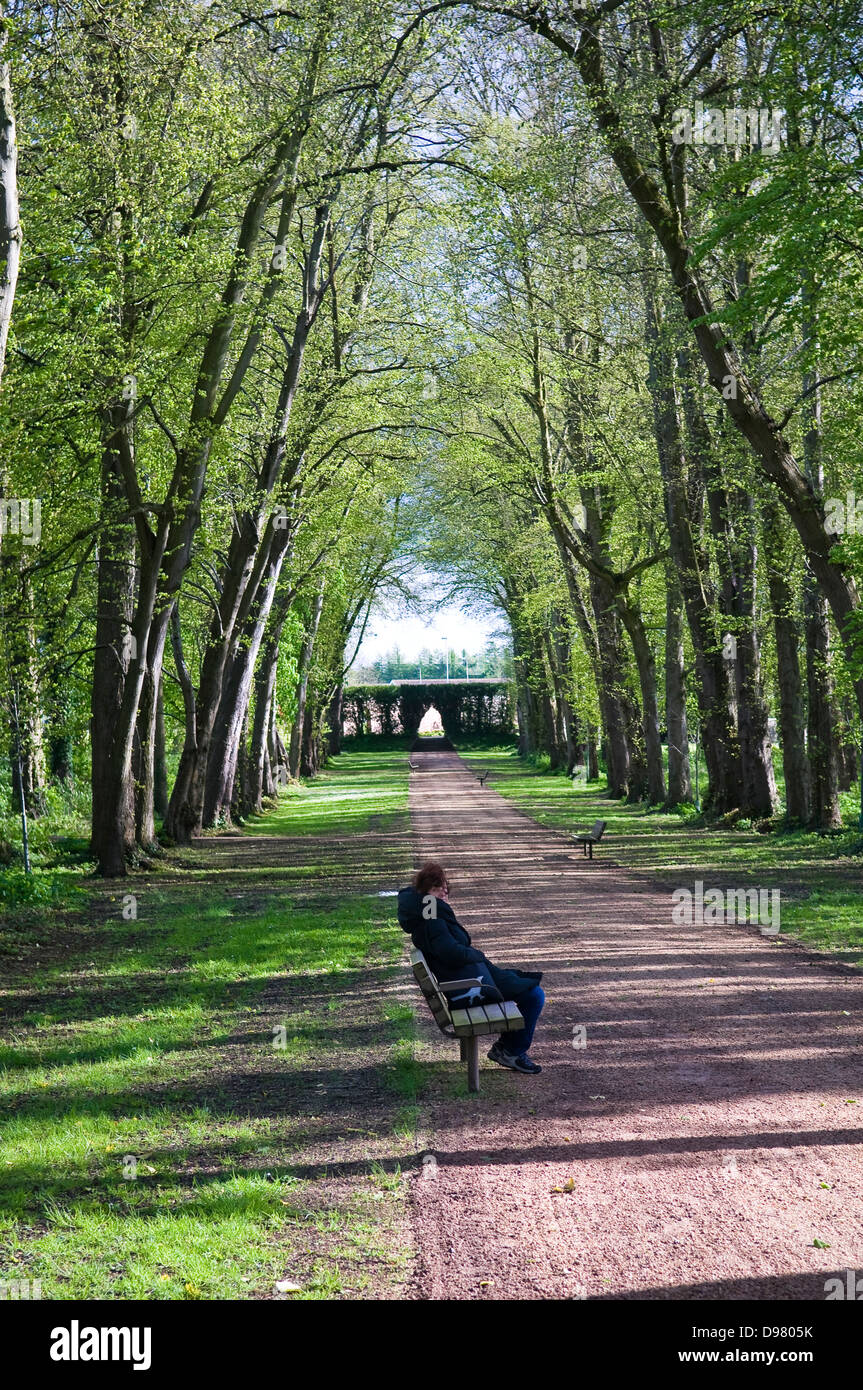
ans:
x=217 y=1090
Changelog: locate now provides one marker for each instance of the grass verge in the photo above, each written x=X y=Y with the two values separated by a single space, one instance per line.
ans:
x=211 y=1089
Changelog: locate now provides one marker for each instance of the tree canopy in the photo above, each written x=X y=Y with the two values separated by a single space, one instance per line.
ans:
x=558 y=305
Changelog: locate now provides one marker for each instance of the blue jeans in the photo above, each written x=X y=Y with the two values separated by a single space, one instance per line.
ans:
x=530 y=1008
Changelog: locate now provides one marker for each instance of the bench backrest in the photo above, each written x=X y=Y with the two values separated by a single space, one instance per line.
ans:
x=598 y=827
x=435 y=997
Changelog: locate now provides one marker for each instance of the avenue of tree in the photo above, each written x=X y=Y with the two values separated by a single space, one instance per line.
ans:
x=295 y=301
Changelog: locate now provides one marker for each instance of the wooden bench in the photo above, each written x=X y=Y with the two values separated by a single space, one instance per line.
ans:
x=468 y=1025
x=592 y=838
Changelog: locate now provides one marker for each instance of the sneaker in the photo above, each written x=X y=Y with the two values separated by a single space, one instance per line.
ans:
x=505 y=1059
x=523 y=1063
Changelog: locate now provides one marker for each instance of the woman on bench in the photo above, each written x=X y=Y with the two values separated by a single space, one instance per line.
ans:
x=425 y=914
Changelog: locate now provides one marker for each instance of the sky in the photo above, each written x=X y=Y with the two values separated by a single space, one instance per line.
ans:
x=412 y=632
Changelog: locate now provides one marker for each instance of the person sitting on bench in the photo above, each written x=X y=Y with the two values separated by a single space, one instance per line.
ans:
x=426 y=916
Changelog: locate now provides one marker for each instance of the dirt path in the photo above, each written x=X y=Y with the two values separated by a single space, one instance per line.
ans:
x=712 y=1124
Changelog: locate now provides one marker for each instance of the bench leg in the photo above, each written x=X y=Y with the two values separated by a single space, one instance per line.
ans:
x=462 y=1047
x=472 y=1063
x=590 y=847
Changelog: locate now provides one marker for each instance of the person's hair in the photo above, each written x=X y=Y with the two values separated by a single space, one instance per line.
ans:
x=429 y=877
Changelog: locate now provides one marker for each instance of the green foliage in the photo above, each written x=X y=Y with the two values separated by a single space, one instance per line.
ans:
x=18 y=888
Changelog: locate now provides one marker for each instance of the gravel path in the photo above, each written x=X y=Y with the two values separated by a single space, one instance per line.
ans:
x=711 y=1125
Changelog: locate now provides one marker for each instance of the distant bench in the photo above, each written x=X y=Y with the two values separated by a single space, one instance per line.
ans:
x=592 y=837
x=468 y=1025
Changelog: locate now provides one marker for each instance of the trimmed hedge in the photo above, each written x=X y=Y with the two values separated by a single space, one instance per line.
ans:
x=465 y=707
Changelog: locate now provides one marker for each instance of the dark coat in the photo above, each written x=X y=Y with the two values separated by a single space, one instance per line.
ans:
x=446 y=946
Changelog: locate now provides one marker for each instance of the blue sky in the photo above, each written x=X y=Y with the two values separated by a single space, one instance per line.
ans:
x=413 y=632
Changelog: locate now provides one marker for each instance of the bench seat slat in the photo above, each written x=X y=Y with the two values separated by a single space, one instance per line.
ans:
x=514 y=1018
x=472 y=1023
x=495 y=1014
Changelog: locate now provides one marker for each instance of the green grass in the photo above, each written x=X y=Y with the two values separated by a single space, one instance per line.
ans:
x=153 y=1145
x=356 y=787
x=830 y=919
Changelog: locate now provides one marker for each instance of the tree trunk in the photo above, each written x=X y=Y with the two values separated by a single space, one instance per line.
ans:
x=160 y=779
x=821 y=727
x=792 y=719
x=682 y=509
x=563 y=658
x=10 y=222
x=592 y=755
x=113 y=816
x=265 y=685
x=759 y=783
x=646 y=665
x=627 y=774
x=679 y=783
x=233 y=705
x=304 y=673
x=334 y=720
x=26 y=732
x=732 y=522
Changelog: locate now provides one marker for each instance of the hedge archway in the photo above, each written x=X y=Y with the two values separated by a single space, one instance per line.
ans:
x=465 y=707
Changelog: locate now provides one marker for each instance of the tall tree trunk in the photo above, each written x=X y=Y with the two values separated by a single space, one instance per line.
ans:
x=679 y=783
x=247 y=570
x=265 y=686
x=10 y=222
x=682 y=497
x=592 y=755
x=792 y=718
x=160 y=778
x=334 y=720
x=233 y=705
x=625 y=767
x=821 y=725
x=310 y=754
x=145 y=780
x=523 y=693
x=239 y=790
x=732 y=522
x=26 y=733
x=113 y=815
x=760 y=797
x=646 y=665
x=563 y=658
x=303 y=675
